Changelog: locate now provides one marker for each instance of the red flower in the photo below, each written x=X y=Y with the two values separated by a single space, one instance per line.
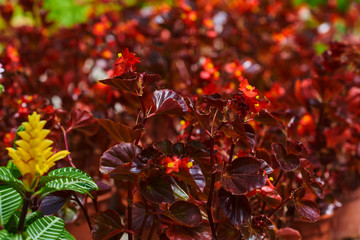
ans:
x=247 y=89
x=174 y=164
x=124 y=63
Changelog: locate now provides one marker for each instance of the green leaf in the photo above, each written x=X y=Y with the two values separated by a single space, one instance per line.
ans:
x=10 y=201
x=66 y=12
x=68 y=178
x=7 y=177
x=65 y=235
x=3 y=234
x=46 y=228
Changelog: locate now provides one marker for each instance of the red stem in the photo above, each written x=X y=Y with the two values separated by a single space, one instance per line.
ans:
x=211 y=192
x=67 y=147
x=130 y=201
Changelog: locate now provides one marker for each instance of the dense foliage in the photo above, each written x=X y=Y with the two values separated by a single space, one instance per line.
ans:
x=208 y=119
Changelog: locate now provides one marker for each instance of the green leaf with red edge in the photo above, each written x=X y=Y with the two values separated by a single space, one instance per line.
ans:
x=288 y=234
x=127 y=82
x=226 y=231
x=83 y=121
x=117 y=156
x=118 y=131
x=107 y=225
x=236 y=208
x=307 y=209
x=157 y=190
x=266 y=118
x=176 y=232
x=243 y=175
x=185 y=213
x=169 y=102
x=288 y=162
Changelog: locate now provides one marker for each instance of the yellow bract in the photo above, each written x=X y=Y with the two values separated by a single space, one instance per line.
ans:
x=33 y=155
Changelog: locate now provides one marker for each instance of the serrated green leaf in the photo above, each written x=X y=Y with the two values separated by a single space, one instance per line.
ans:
x=65 y=235
x=46 y=228
x=7 y=177
x=10 y=201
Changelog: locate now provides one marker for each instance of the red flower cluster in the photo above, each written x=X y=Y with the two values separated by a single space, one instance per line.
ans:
x=174 y=164
x=124 y=63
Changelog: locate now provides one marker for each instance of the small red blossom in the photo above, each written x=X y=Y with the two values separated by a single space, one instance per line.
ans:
x=125 y=63
x=9 y=139
x=247 y=89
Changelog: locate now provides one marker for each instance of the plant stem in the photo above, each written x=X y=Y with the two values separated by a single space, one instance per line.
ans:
x=24 y=210
x=152 y=230
x=77 y=200
x=232 y=148
x=129 y=207
x=67 y=147
x=143 y=224
x=211 y=192
x=143 y=109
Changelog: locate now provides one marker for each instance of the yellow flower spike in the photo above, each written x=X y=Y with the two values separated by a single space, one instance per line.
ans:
x=33 y=155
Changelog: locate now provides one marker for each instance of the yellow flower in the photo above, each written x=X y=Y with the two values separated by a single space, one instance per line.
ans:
x=33 y=155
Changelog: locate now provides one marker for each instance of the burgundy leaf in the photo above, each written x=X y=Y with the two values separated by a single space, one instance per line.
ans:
x=226 y=231
x=266 y=118
x=118 y=131
x=117 y=156
x=169 y=102
x=288 y=162
x=198 y=176
x=288 y=234
x=157 y=190
x=165 y=146
x=243 y=175
x=307 y=209
x=142 y=159
x=185 y=213
x=178 y=232
x=127 y=82
x=236 y=208
x=106 y=225
x=83 y=121
x=53 y=202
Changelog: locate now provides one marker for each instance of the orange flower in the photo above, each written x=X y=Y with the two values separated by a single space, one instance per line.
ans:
x=247 y=89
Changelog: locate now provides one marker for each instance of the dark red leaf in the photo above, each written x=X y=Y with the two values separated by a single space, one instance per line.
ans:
x=157 y=190
x=297 y=148
x=127 y=82
x=185 y=213
x=165 y=146
x=106 y=225
x=266 y=118
x=226 y=231
x=288 y=162
x=270 y=196
x=53 y=202
x=142 y=159
x=117 y=156
x=243 y=175
x=118 y=131
x=169 y=102
x=188 y=178
x=307 y=209
x=288 y=234
x=178 y=232
x=83 y=121
x=149 y=78
x=215 y=100
x=236 y=208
